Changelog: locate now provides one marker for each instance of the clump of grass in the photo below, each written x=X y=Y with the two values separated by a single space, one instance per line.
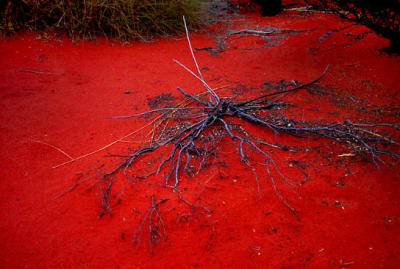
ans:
x=115 y=19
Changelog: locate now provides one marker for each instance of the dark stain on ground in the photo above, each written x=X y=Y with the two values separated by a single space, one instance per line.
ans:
x=278 y=86
x=160 y=100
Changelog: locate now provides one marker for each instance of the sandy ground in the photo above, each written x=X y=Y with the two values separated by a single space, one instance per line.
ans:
x=55 y=96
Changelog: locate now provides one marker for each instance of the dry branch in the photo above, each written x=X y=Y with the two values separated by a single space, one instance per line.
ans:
x=191 y=134
x=156 y=228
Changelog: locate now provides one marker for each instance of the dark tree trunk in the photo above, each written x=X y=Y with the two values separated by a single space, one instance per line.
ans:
x=270 y=7
x=395 y=43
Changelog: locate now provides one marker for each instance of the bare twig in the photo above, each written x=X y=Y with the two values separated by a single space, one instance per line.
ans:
x=213 y=94
x=54 y=147
x=36 y=72
x=156 y=228
x=251 y=32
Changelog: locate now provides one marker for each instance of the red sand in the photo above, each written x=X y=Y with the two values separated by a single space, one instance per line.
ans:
x=348 y=211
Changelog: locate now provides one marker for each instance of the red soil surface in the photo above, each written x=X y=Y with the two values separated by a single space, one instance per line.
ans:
x=348 y=211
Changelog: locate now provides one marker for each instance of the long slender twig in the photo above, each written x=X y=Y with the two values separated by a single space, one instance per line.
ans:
x=287 y=91
x=37 y=72
x=54 y=147
x=214 y=95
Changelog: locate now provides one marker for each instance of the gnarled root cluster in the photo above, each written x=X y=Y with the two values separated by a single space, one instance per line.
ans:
x=191 y=131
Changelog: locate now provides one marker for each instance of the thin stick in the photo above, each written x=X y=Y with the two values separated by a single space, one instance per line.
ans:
x=36 y=72
x=196 y=76
x=152 y=111
x=197 y=66
x=54 y=147
x=191 y=50
x=254 y=32
x=287 y=91
x=106 y=146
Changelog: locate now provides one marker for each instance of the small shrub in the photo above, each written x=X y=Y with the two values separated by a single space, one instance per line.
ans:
x=381 y=16
x=120 y=19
